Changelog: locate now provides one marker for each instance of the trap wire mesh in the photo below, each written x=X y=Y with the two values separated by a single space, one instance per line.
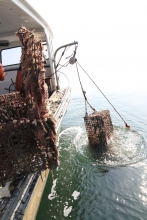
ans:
x=99 y=128
x=25 y=146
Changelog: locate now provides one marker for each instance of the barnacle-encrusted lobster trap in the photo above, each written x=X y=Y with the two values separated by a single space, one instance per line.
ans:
x=27 y=130
x=98 y=125
x=99 y=128
x=25 y=146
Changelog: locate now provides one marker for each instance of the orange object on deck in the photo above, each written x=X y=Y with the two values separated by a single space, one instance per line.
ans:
x=2 y=73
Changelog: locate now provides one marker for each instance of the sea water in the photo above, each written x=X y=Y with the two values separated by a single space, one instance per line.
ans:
x=91 y=185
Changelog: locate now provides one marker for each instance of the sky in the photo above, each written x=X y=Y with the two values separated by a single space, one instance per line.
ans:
x=112 y=36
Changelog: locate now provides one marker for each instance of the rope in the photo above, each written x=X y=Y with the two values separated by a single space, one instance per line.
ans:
x=65 y=76
x=64 y=65
x=61 y=57
x=104 y=95
x=65 y=49
x=84 y=93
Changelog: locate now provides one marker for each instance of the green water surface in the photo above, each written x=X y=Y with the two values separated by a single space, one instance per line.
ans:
x=89 y=185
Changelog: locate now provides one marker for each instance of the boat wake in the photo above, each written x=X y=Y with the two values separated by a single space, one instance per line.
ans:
x=126 y=147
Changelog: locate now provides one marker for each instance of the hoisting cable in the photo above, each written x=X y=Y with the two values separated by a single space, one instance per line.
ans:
x=84 y=93
x=103 y=94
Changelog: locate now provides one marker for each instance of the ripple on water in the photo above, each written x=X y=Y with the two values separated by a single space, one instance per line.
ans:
x=126 y=147
x=85 y=186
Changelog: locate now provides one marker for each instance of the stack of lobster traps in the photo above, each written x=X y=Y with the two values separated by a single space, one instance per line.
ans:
x=25 y=146
x=27 y=128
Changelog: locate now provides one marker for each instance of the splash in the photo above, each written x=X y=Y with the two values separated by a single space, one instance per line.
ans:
x=126 y=147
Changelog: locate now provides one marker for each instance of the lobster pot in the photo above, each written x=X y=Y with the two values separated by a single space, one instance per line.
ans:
x=99 y=128
x=25 y=146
